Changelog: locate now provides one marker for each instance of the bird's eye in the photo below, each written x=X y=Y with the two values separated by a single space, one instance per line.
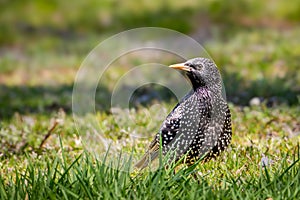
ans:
x=200 y=66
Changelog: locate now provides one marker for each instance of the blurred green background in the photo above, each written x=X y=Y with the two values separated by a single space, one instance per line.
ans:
x=255 y=44
x=42 y=44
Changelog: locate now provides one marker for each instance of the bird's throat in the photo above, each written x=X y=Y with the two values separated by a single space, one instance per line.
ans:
x=196 y=82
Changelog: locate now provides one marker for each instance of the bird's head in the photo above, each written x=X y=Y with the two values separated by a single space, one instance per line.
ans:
x=202 y=72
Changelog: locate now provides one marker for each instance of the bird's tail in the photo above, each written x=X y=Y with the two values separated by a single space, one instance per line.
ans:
x=149 y=156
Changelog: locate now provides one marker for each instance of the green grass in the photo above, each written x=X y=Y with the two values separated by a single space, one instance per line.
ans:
x=255 y=46
x=63 y=169
x=86 y=177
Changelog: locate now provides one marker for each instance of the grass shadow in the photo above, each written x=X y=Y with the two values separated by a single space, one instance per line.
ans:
x=272 y=91
x=46 y=99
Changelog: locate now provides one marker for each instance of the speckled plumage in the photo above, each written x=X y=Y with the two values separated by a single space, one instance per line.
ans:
x=200 y=124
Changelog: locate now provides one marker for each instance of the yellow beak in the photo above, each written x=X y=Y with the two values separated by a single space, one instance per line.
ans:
x=180 y=66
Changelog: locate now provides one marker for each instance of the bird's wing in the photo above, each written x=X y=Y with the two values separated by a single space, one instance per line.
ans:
x=185 y=126
x=173 y=123
x=177 y=131
x=169 y=127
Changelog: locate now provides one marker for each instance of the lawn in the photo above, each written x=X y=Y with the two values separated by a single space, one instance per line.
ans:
x=45 y=155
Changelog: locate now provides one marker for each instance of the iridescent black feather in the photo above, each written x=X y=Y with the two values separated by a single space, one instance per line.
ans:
x=200 y=124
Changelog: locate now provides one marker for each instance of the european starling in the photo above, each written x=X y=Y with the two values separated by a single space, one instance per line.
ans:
x=200 y=124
